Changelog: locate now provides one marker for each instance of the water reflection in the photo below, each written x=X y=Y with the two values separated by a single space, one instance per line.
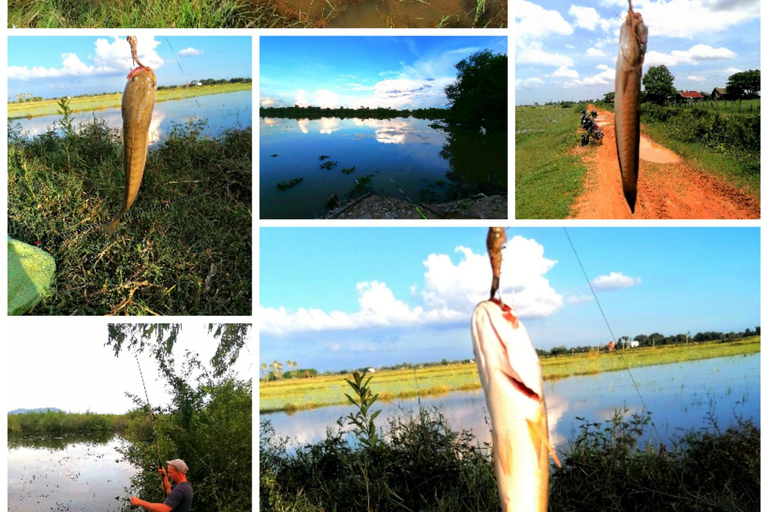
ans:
x=223 y=111
x=680 y=396
x=83 y=475
x=427 y=161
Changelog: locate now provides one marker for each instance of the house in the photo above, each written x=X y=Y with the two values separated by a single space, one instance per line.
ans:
x=689 y=96
x=634 y=344
x=720 y=93
x=371 y=370
x=611 y=345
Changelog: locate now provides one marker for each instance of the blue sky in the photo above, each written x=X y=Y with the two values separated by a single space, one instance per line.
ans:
x=334 y=71
x=567 y=50
x=55 y=66
x=336 y=298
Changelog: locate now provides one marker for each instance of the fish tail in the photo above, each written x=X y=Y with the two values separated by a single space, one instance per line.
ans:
x=631 y=196
x=112 y=226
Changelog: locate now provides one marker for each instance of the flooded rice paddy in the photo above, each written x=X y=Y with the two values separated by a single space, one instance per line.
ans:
x=70 y=473
x=338 y=156
x=222 y=112
x=680 y=396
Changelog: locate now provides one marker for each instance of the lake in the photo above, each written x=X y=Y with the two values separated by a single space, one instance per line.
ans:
x=429 y=163
x=680 y=397
x=223 y=111
x=68 y=473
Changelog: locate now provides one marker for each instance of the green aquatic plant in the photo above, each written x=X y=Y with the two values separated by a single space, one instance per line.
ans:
x=285 y=185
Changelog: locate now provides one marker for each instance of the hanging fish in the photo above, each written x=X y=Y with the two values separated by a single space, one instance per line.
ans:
x=496 y=239
x=511 y=377
x=137 y=106
x=629 y=70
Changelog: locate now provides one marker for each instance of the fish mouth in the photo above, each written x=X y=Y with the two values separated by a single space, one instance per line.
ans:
x=518 y=384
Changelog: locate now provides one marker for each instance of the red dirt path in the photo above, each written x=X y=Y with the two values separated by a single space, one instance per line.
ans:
x=664 y=190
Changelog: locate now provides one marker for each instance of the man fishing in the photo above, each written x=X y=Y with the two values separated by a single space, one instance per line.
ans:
x=179 y=493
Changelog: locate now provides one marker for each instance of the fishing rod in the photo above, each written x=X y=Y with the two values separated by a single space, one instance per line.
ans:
x=152 y=419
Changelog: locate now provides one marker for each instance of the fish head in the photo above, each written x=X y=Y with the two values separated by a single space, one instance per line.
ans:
x=504 y=353
x=633 y=40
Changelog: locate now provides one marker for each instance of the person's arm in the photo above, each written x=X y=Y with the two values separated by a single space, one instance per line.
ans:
x=152 y=507
x=164 y=481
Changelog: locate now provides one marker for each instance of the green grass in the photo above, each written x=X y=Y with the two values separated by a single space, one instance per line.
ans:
x=56 y=423
x=422 y=464
x=130 y=13
x=103 y=101
x=192 y=257
x=549 y=175
x=296 y=394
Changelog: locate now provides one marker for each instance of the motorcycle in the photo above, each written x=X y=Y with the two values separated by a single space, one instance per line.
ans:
x=590 y=126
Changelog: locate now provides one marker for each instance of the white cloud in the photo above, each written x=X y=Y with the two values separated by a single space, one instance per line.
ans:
x=614 y=281
x=534 y=22
x=326 y=98
x=602 y=66
x=110 y=58
x=595 y=52
x=528 y=83
x=606 y=77
x=270 y=102
x=580 y=299
x=586 y=17
x=190 y=52
x=449 y=294
x=696 y=54
x=691 y=18
x=540 y=57
x=696 y=78
x=301 y=98
x=565 y=72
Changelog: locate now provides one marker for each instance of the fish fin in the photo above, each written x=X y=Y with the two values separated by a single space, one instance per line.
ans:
x=503 y=450
x=538 y=435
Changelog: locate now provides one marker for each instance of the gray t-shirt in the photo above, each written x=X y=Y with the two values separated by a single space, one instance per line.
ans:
x=180 y=499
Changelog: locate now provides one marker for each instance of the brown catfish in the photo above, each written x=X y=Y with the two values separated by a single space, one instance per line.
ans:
x=138 y=102
x=629 y=70
x=497 y=237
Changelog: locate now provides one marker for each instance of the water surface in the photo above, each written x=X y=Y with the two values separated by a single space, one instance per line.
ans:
x=223 y=112
x=680 y=396
x=418 y=156
x=67 y=473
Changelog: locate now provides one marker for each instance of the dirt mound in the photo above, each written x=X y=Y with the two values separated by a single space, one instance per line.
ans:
x=668 y=187
x=378 y=207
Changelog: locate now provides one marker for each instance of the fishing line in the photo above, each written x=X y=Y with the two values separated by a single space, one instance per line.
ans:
x=152 y=418
x=178 y=63
x=611 y=331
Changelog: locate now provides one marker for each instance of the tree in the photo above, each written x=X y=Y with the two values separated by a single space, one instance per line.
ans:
x=609 y=96
x=658 y=83
x=478 y=97
x=745 y=84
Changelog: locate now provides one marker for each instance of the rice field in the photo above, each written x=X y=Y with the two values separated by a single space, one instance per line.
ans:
x=296 y=394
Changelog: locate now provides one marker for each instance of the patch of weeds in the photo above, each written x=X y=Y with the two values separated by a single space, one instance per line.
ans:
x=285 y=185
x=348 y=170
x=330 y=164
x=362 y=186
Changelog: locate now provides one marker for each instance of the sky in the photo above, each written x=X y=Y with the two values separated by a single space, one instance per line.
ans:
x=72 y=370
x=334 y=71
x=567 y=50
x=56 y=66
x=392 y=295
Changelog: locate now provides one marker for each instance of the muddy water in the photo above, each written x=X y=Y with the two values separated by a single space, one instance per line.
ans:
x=651 y=152
x=400 y=13
x=680 y=396
x=427 y=163
x=69 y=473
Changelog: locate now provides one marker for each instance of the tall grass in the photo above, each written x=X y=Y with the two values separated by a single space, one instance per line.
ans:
x=192 y=257
x=296 y=394
x=549 y=173
x=56 y=423
x=422 y=464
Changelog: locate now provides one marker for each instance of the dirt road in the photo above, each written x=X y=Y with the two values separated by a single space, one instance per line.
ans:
x=668 y=187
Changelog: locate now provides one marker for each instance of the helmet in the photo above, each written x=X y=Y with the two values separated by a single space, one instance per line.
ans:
x=594 y=113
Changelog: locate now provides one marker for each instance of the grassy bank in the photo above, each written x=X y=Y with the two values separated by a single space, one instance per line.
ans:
x=57 y=423
x=295 y=394
x=422 y=464
x=721 y=143
x=549 y=173
x=128 y=13
x=184 y=249
x=104 y=101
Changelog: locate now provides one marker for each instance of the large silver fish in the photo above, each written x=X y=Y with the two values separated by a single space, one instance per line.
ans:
x=629 y=70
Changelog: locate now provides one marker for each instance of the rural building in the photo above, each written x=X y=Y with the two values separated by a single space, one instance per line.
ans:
x=371 y=370
x=719 y=93
x=634 y=344
x=611 y=345
x=689 y=96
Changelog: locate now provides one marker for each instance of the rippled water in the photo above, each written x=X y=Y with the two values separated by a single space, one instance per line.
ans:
x=680 y=396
